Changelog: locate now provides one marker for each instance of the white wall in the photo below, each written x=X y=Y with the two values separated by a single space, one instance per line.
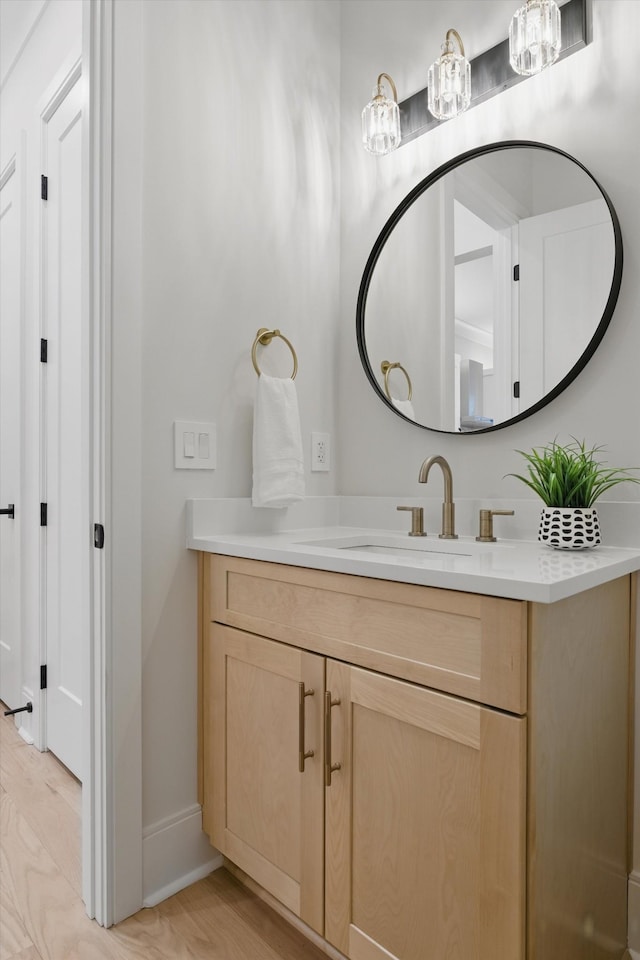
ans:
x=584 y=105
x=17 y=19
x=226 y=200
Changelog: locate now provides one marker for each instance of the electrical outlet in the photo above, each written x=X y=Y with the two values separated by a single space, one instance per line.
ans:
x=320 y=452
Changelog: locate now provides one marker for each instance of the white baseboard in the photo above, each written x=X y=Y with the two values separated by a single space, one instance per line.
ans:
x=175 y=853
x=26 y=736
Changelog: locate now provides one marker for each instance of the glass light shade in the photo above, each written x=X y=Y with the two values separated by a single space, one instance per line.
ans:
x=381 y=124
x=449 y=84
x=534 y=37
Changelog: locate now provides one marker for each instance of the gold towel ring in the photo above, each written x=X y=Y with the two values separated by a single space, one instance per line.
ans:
x=264 y=337
x=386 y=368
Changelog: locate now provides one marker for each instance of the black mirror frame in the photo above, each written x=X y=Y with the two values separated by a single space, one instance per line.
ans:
x=399 y=212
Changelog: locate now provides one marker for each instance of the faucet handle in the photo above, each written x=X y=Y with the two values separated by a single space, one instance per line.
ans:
x=485 y=534
x=417 y=521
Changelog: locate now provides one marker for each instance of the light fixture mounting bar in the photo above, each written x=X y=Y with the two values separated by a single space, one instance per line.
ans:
x=491 y=72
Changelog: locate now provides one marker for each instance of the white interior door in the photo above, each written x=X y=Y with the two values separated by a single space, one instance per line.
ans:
x=65 y=436
x=566 y=266
x=10 y=432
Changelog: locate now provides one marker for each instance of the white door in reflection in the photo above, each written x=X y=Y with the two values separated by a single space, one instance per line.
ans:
x=566 y=263
x=482 y=321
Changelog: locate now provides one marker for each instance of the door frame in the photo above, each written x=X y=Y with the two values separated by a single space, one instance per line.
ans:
x=112 y=749
x=96 y=57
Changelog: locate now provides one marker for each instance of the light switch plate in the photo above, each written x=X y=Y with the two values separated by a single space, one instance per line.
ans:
x=194 y=445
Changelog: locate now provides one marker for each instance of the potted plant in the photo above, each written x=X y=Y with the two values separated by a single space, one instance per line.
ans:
x=569 y=479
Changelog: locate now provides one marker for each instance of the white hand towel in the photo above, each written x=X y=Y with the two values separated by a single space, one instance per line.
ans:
x=404 y=406
x=278 y=467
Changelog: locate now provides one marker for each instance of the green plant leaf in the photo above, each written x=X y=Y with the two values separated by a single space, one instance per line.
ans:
x=570 y=475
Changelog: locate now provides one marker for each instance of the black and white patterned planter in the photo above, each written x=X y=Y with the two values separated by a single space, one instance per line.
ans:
x=569 y=528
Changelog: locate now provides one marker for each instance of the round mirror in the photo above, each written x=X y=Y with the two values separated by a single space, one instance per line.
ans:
x=489 y=288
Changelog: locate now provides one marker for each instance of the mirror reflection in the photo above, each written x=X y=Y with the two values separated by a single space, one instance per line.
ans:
x=489 y=288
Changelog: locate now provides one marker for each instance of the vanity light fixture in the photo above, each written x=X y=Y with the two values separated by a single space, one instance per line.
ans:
x=449 y=80
x=534 y=37
x=509 y=62
x=381 y=120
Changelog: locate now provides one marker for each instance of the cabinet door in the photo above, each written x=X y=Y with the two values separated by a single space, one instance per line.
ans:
x=260 y=810
x=425 y=823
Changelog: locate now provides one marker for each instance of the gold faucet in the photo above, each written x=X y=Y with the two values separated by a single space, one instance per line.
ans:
x=485 y=534
x=448 y=507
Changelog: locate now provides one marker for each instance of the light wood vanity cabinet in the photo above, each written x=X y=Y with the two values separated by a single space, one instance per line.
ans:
x=259 y=809
x=479 y=809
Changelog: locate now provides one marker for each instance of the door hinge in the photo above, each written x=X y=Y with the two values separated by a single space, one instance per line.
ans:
x=43 y=676
x=98 y=536
x=516 y=389
x=44 y=187
x=44 y=348
x=516 y=272
x=43 y=514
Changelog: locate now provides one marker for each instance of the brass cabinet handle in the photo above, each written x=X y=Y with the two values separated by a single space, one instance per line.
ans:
x=303 y=754
x=329 y=767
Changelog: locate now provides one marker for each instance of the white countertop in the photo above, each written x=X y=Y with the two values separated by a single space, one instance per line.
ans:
x=516 y=569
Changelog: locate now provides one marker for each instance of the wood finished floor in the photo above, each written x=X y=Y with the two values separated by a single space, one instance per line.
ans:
x=41 y=913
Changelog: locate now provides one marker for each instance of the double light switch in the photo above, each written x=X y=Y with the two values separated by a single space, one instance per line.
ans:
x=194 y=445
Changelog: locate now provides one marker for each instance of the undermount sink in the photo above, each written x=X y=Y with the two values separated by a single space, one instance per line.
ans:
x=401 y=551
x=401 y=545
